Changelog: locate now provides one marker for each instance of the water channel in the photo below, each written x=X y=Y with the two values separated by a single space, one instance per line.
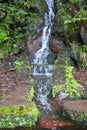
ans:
x=41 y=68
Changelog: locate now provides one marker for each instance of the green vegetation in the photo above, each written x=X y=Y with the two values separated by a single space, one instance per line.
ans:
x=82 y=117
x=16 y=17
x=74 y=2
x=18 y=21
x=73 y=17
x=14 y=116
x=77 y=116
x=73 y=14
x=18 y=64
x=80 y=53
x=71 y=86
x=31 y=92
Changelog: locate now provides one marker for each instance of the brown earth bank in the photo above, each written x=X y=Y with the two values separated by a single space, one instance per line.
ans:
x=12 y=90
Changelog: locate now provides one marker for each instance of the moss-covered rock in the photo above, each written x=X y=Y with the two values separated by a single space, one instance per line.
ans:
x=14 y=116
x=76 y=110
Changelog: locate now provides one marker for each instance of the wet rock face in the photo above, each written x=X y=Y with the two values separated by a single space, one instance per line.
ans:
x=83 y=34
x=34 y=44
x=54 y=46
x=37 y=29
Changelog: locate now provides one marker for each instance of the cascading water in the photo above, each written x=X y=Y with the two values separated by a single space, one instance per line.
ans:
x=41 y=69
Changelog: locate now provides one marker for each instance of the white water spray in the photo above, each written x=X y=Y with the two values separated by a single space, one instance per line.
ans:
x=40 y=66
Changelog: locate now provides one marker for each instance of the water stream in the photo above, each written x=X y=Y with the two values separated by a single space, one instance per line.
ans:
x=41 y=69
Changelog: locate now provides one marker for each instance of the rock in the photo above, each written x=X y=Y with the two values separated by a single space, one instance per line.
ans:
x=37 y=29
x=76 y=110
x=54 y=46
x=81 y=77
x=83 y=34
x=34 y=44
x=62 y=95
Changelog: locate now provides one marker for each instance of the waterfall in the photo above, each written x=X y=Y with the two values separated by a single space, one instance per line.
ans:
x=41 y=69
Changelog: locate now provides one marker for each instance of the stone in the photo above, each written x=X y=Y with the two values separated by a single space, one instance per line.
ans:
x=37 y=29
x=54 y=46
x=76 y=109
x=83 y=34
x=34 y=44
x=62 y=95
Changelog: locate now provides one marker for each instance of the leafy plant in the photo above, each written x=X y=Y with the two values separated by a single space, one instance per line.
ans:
x=14 y=27
x=3 y=36
x=73 y=15
x=71 y=86
x=82 y=117
x=18 y=64
x=1 y=55
x=15 y=116
x=31 y=94
x=74 y=2
x=80 y=54
x=83 y=56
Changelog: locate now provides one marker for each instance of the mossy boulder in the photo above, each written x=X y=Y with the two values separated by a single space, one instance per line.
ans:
x=15 y=116
x=76 y=110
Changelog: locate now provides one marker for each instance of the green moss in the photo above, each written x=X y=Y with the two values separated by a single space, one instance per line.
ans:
x=14 y=116
x=31 y=94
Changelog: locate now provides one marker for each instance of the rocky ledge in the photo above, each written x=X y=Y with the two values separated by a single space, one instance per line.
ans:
x=76 y=110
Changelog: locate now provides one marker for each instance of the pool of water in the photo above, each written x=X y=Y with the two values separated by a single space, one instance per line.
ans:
x=38 y=127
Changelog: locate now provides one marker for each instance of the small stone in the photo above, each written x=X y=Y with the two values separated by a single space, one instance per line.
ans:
x=54 y=46
x=62 y=95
